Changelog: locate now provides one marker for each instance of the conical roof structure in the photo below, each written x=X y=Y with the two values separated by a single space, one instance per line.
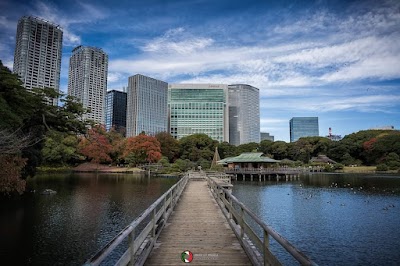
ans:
x=216 y=157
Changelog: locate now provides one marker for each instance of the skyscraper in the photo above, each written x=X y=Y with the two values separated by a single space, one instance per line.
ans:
x=146 y=106
x=303 y=127
x=87 y=80
x=116 y=111
x=244 y=114
x=199 y=108
x=38 y=51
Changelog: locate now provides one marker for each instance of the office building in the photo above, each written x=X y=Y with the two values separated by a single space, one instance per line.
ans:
x=244 y=114
x=146 y=106
x=116 y=111
x=38 y=52
x=266 y=136
x=303 y=127
x=198 y=108
x=87 y=80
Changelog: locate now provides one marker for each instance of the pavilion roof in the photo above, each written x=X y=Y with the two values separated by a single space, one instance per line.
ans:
x=248 y=157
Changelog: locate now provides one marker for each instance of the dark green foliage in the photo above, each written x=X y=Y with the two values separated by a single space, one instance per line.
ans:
x=226 y=150
x=197 y=146
x=169 y=146
x=382 y=167
x=29 y=113
x=247 y=147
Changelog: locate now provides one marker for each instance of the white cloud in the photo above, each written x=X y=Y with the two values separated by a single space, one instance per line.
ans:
x=176 y=41
x=85 y=14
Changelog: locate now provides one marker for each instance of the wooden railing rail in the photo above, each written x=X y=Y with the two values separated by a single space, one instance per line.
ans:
x=257 y=248
x=140 y=243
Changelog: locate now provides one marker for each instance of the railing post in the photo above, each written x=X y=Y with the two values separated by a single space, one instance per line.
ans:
x=266 y=247
x=131 y=240
x=154 y=222
x=165 y=207
x=230 y=208
x=241 y=222
x=170 y=198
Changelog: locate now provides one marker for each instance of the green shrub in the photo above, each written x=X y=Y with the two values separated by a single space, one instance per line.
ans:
x=382 y=167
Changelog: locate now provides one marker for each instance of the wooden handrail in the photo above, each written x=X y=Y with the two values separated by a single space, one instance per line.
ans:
x=141 y=244
x=245 y=233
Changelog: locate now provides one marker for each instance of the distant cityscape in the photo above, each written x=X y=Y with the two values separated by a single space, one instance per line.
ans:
x=225 y=112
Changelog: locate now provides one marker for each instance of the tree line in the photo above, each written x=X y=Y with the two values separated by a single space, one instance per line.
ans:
x=34 y=133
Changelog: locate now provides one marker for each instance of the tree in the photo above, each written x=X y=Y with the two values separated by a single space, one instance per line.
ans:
x=247 y=147
x=226 y=150
x=266 y=147
x=279 y=150
x=28 y=112
x=118 y=143
x=95 y=145
x=197 y=146
x=142 y=149
x=60 y=149
x=169 y=146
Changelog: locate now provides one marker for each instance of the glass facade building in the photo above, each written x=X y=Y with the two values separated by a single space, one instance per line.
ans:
x=87 y=80
x=146 y=106
x=244 y=114
x=266 y=136
x=116 y=111
x=198 y=108
x=303 y=127
x=38 y=51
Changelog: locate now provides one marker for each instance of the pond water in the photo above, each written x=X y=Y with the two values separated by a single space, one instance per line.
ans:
x=69 y=227
x=335 y=219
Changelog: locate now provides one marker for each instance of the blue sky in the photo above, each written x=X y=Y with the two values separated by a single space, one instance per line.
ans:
x=338 y=60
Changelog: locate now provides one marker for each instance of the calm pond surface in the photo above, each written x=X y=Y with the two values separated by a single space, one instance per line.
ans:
x=70 y=226
x=335 y=219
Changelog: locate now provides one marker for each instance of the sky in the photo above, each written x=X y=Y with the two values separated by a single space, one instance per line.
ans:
x=337 y=60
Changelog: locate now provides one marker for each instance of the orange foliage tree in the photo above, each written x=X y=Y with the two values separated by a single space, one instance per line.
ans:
x=142 y=149
x=95 y=145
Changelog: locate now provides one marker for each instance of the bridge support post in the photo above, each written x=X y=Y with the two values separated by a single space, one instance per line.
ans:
x=251 y=177
x=259 y=178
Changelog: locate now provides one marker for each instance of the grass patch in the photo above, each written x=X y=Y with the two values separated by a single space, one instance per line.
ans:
x=359 y=169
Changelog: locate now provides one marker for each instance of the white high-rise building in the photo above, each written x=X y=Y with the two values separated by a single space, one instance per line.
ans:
x=244 y=114
x=87 y=80
x=38 y=52
x=146 y=106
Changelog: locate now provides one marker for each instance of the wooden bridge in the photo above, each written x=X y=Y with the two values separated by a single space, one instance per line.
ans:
x=198 y=215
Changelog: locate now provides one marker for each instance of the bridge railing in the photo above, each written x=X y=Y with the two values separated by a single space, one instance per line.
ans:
x=141 y=242
x=282 y=170
x=257 y=248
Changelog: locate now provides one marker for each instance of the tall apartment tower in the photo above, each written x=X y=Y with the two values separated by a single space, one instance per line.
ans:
x=199 y=108
x=87 y=80
x=38 y=52
x=244 y=114
x=303 y=127
x=116 y=111
x=146 y=106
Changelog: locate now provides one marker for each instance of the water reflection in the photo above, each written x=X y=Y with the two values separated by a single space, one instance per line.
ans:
x=66 y=228
x=335 y=219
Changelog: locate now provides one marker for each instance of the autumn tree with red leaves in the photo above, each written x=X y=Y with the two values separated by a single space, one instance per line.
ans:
x=142 y=149
x=95 y=145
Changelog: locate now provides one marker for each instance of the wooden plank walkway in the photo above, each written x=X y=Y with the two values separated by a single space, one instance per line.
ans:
x=198 y=225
